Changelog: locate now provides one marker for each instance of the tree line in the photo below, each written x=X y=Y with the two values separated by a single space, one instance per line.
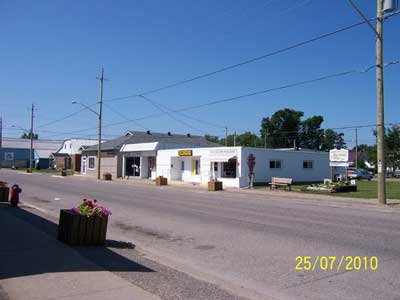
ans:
x=286 y=129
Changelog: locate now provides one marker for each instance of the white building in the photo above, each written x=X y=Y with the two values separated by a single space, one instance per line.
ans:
x=229 y=165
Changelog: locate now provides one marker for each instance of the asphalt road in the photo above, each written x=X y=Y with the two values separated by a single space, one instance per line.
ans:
x=246 y=243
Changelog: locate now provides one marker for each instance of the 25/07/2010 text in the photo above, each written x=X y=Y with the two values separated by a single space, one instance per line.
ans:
x=334 y=263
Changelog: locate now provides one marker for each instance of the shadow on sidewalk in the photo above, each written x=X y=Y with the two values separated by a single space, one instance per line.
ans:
x=31 y=247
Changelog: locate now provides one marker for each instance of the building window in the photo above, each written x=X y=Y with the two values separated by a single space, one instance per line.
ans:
x=229 y=169
x=92 y=161
x=195 y=167
x=215 y=167
x=275 y=164
x=308 y=164
x=182 y=165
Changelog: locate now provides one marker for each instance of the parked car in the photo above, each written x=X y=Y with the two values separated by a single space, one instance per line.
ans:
x=354 y=173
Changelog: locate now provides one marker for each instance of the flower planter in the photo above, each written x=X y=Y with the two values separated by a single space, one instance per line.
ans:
x=107 y=176
x=4 y=193
x=344 y=188
x=161 y=181
x=215 y=185
x=75 y=229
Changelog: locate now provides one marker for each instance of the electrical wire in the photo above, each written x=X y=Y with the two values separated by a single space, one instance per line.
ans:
x=288 y=86
x=276 y=52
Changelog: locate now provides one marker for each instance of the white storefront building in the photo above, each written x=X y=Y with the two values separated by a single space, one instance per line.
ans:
x=229 y=165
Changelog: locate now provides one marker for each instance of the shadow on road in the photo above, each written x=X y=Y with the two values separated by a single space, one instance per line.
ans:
x=29 y=246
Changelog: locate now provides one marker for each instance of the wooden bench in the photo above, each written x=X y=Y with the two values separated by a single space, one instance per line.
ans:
x=283 y=182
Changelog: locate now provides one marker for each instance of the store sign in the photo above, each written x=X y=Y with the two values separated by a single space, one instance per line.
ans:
x=185 y=152
x=339 y=164
x=8 y=155
x=224 y=152
x=341 y=155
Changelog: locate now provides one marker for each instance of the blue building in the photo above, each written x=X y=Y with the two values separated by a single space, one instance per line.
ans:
x=15 y=152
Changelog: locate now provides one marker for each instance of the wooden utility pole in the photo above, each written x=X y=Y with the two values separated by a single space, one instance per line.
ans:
x=1 y=132
x=101 y=78
x=356 y=148
x=226 y=136
x=31 y=136
x=234 y=139
x=380 y=106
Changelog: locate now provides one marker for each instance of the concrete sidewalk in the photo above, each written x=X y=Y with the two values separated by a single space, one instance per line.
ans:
x=35 y=266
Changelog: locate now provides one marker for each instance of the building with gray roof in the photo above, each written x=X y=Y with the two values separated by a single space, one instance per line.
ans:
x=134 y=154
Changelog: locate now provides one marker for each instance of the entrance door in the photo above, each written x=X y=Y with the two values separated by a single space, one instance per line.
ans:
x=132 y=166
x=84 y=165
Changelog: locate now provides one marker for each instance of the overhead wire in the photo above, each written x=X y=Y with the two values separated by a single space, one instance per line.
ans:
x=273 y=53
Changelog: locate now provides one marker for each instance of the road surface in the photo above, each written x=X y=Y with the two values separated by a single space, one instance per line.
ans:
x=245 y=243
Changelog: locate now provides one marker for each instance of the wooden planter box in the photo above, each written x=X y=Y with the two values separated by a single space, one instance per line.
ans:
x=344 y=188
x=215 y=185
x=107 y=176
x=77 y=230
x=161 y=180
x=4 y=193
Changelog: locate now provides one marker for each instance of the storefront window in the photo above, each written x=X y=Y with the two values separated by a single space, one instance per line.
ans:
x=91 y=162
x=196 y=167
x=229 y=169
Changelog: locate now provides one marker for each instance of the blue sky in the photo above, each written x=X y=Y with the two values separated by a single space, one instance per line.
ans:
x=52 y=51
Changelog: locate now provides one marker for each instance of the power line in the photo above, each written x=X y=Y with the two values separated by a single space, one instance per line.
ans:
x=288 y=86
x=276 y=52
x=125 y=117
x=167 y=111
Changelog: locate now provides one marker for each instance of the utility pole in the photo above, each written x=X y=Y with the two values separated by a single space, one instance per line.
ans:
x=226 y=136
x=265 y=139
x=356 y=147
x=380 y=105
x=234 y=139
x=101 y=78
x=31 y=136
x=383 y=6
x=1 y=132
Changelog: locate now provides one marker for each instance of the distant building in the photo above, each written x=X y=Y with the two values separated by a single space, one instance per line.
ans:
x=15 y=152
x=68 y=156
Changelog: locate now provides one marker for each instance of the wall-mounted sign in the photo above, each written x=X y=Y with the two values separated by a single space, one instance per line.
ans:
x=339 y=155
x=185 y=152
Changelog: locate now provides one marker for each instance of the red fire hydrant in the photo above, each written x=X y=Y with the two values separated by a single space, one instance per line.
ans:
x=14 y=195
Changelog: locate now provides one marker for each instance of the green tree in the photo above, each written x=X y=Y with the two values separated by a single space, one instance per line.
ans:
x=282 y=129
x=392 y=142
x=27 y=135
x=246 y=139
x=311 y=135
x=212 y=138
x=332 y=140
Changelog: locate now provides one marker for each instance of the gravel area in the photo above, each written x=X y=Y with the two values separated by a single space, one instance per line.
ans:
x=3 y=294
x=165 y=282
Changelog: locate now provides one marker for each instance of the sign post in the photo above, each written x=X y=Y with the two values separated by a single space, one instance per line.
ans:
x=338 y=158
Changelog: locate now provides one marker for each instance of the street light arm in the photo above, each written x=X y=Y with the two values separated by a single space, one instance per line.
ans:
x=85 y=106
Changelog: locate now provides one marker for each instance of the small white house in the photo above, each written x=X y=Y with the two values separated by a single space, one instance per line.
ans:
x=229 y=165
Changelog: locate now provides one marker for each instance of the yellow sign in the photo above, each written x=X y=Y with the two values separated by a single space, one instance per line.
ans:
x=185 y=152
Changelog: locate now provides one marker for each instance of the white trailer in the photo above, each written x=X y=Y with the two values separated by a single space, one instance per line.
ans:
x=229 y=165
